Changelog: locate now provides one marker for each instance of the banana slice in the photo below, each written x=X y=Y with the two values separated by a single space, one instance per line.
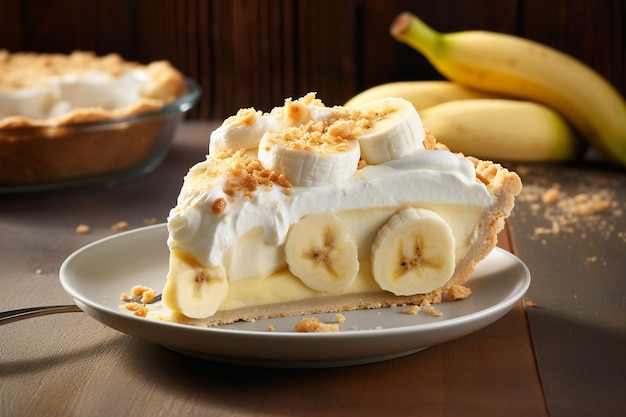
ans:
x=392 y=130
x=244 y=130
x=413 y=253
x=195 y=291
x=313 y=154
x=320 y=252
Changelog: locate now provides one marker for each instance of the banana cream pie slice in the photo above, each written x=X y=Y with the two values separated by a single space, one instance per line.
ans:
x=310 y=209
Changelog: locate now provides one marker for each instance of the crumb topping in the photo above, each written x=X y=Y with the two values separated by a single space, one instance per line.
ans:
x=244 y=172
x=244 y=117
x=219 y=206
x=316 y=136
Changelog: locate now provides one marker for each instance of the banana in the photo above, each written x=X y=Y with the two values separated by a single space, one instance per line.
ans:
x=422 y=94
x=393 y=130
x=312 y=154
x=320 y=252
x=522 y=68
x=503 y=130
x=413 y=253
x=195 y=291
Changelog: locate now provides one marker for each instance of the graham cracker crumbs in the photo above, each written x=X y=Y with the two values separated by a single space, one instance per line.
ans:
x=459 y=292
x=147 y=294
x=271 y=328
x=219 y=206
x=244 y=117
x=120 y=226
x=82 y=229
x=551 y=195
x=150 y=221
x=295 y=112
x=340 y=318
x=412 y=309
x=137 y=308
x=530 y=304
x=314 y=325
x=577 y=205
x=245 y=175
x=316 y=136
x=423 y=306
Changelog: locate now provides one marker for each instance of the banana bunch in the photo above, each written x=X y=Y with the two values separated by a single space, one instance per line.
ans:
x=564 y=90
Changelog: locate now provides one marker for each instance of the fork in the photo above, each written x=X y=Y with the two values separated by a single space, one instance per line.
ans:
x=7 y=317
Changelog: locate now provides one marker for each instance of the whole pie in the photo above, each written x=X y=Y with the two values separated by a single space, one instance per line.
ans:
x=57 y=89
x=49 y=103
x=310 y=209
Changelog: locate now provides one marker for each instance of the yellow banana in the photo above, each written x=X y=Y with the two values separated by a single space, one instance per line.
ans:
x=503 y=130
x=522 y=68
x=422 y=94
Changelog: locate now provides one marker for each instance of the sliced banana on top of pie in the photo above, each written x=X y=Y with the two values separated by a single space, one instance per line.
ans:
x=310 y=209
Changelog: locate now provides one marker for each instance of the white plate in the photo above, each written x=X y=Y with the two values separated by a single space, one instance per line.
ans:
x=97 y=274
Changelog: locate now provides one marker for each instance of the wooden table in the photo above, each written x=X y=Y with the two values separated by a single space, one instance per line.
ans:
x=562 y=357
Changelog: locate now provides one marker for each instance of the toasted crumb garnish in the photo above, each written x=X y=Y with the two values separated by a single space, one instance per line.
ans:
x=314 y=325
x=245 y=175
x=459 y=292
x=219 y=206
x=119 y=226
x=82 y=229
x=271 y=328
x=340 y=318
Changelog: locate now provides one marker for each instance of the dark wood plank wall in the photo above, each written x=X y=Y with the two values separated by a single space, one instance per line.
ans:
x=257 y=52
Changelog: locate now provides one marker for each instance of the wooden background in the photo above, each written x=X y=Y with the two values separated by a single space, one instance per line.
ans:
x=257 y=52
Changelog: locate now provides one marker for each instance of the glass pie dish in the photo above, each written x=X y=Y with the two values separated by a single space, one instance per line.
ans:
x=45 y=158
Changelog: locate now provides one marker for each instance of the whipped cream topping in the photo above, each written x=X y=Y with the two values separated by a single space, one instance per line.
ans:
x=433 y=176
x=61 y=94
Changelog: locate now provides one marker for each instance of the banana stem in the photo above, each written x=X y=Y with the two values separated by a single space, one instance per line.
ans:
x=411 y=30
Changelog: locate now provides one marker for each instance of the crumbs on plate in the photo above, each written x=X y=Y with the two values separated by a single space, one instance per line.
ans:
x=120 y=226
x=82 y=229
x=424 y=306
x=315 y=325
x=138 y=308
